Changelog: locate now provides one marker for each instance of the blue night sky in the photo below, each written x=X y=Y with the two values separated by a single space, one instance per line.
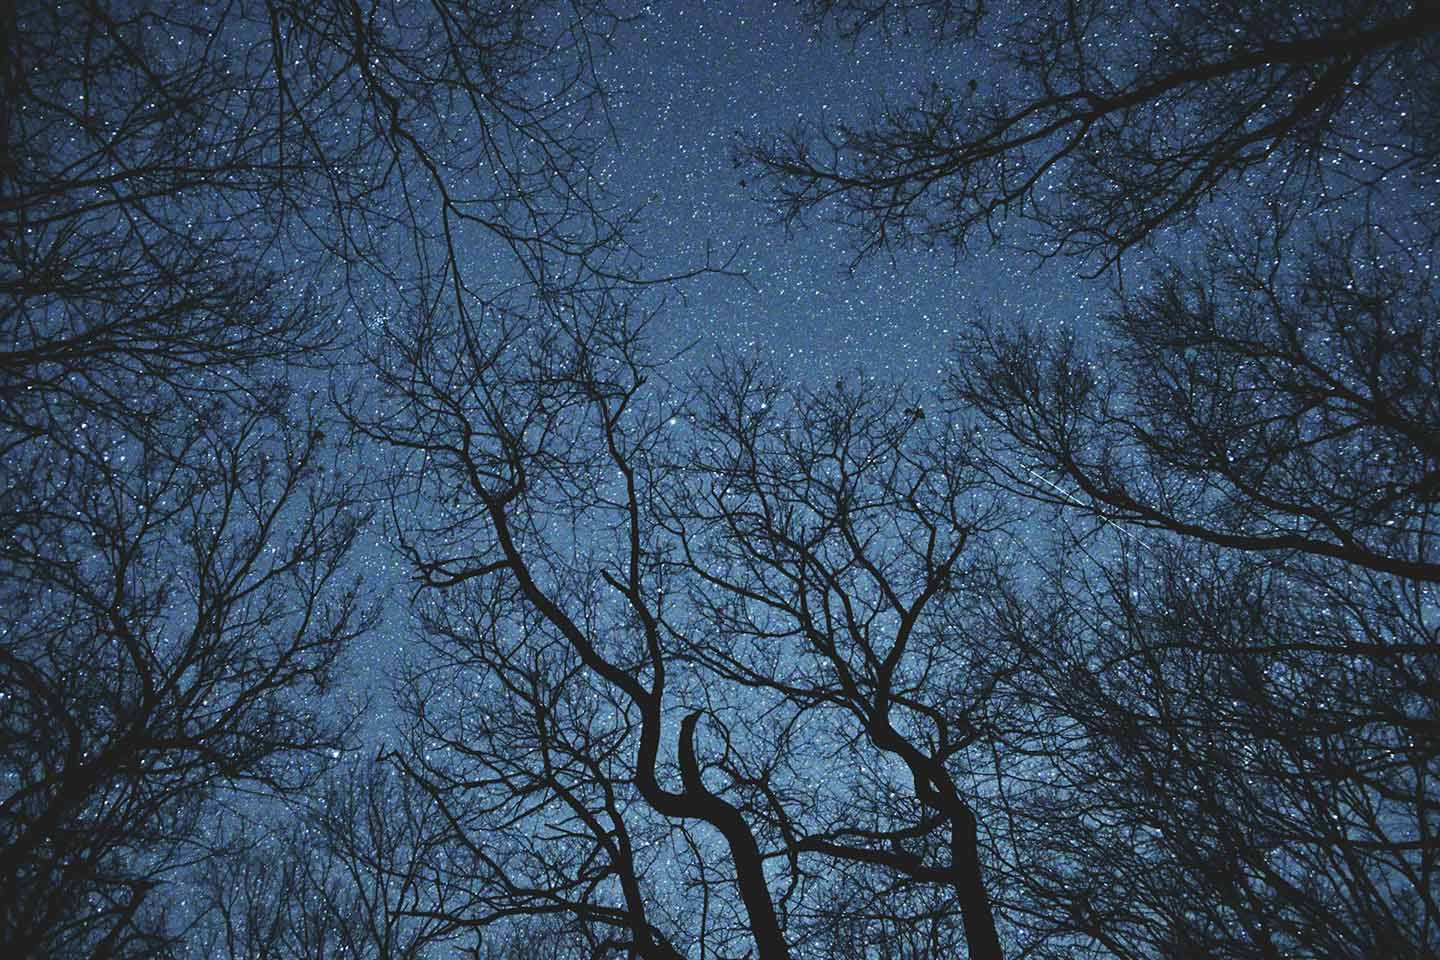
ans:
x=443 y=502
x=689 y=77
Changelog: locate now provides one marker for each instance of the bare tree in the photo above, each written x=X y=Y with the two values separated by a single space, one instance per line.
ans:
x=1235 y=760
x=1101 y=125
x=939 y=19
x=1236 y=678
x=830 y=537
x=1267 y=399
x=197 y=202
x=173 y=519
x=528 y=759
x=175 y=608
x=796 y=585
x=1218 y=744
x=500 y=427
x=356 y=872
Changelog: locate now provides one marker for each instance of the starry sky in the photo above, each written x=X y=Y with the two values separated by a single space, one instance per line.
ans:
x=689 y=78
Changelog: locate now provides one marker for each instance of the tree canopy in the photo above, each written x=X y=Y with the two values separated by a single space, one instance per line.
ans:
x=1118 y=640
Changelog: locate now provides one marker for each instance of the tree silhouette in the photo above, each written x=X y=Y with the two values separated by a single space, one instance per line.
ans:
x=174 y=522
x=1249 y=678
x=1212 y=740
x=1109 y=124
x=1235 y=759
x=1267 y=399
x=197 y=202
x=940 y=19
x=781 y=581
x=356 y=873
x=1121 y=649
x=176 y=604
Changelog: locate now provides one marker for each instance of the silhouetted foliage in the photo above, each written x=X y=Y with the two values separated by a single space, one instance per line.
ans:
x=794 y=582
x=182 y=188
x=1117 y=648
x=1266 y=398
x=1116 y=121
x=1237 y=759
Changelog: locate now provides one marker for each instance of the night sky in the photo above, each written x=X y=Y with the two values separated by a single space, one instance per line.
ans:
x=688 y=79
x=1246 y=579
